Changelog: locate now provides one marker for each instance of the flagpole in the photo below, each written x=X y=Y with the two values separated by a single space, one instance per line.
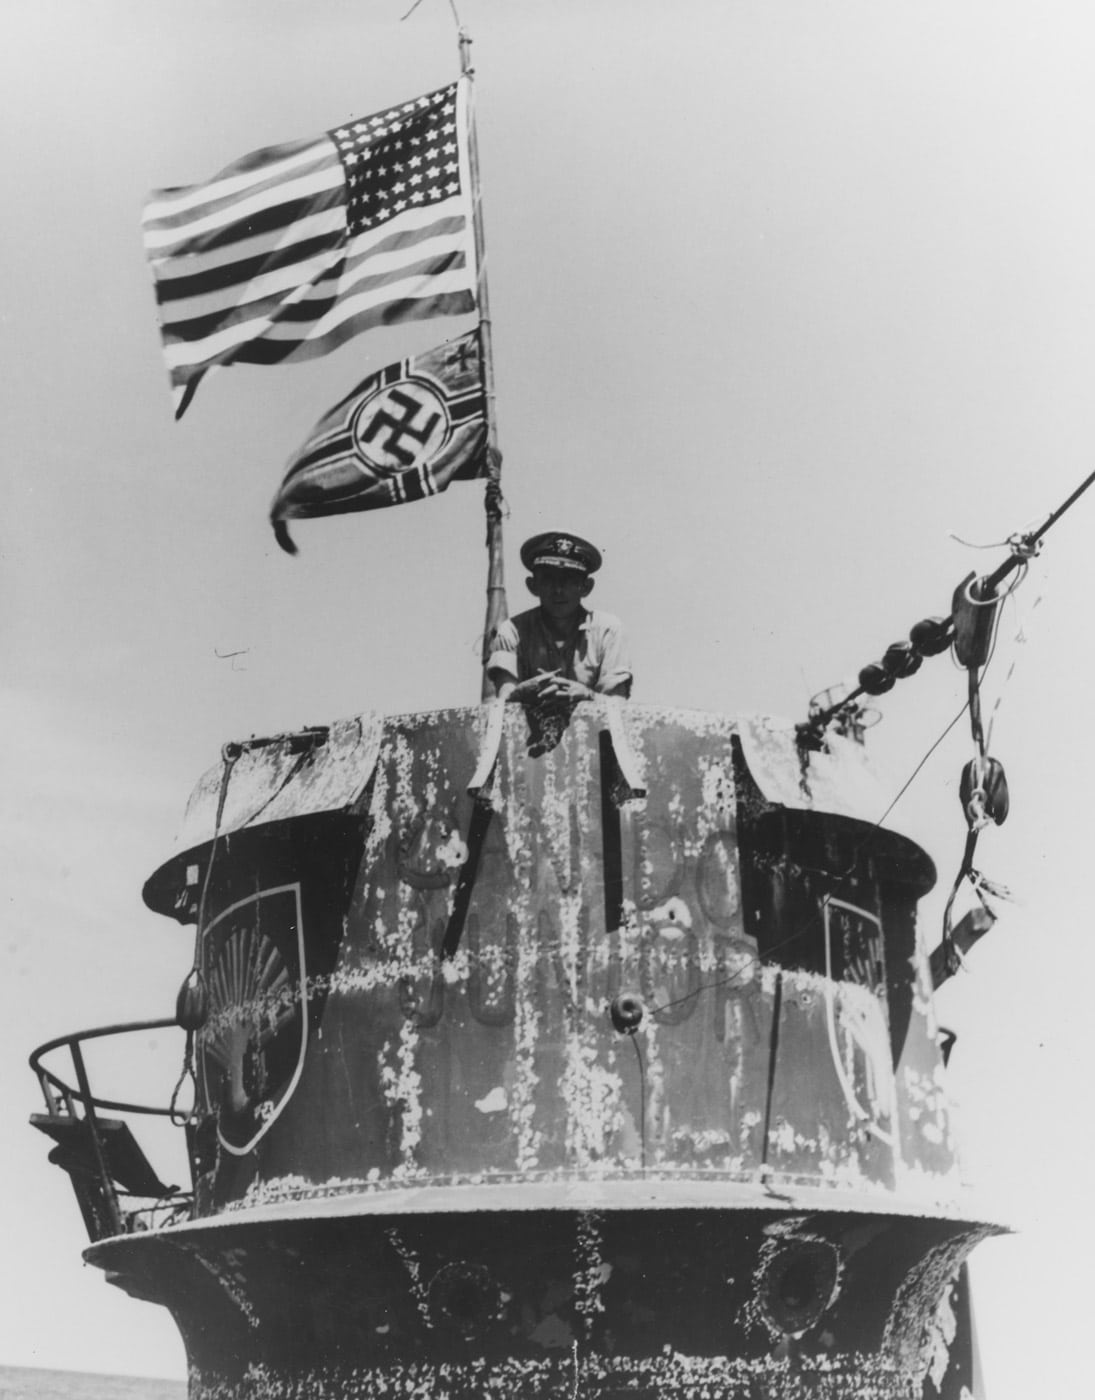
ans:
x=492 y=501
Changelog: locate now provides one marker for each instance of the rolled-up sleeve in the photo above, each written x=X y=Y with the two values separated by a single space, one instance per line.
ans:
x=615 y=668
x=503 y=650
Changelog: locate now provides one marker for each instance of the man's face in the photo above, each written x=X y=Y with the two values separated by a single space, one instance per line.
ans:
x=560 y=591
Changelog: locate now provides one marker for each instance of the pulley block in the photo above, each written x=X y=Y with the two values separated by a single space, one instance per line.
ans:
x=974 y=609
x=983 y=791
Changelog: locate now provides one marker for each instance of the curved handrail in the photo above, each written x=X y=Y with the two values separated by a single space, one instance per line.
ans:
x=73 y=1041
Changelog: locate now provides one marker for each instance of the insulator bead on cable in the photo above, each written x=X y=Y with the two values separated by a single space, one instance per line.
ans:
x=902 y=660
x=875 y=679
x=192 y=1004
x=930 y=636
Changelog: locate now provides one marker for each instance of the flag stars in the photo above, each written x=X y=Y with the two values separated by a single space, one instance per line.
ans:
x=416 y=163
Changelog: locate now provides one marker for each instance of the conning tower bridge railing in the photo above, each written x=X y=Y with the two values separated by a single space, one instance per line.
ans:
x=116 y=1187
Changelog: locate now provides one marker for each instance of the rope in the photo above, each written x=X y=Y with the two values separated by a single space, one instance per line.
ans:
x=642 y=1101
x=230 y=754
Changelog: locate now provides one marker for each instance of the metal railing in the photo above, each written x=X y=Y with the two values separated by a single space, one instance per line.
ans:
x=76 y=1107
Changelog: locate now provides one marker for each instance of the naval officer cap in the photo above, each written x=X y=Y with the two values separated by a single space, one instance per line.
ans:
x=555 y=549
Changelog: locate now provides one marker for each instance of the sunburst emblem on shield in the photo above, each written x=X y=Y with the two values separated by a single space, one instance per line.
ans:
x=253 y=1042
x=400 y=426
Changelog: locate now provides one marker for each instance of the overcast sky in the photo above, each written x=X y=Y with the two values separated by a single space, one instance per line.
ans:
x=782 y=294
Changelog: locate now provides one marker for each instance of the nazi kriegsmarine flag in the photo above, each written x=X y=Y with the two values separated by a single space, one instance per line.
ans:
x=401 y=435
x=293 y=249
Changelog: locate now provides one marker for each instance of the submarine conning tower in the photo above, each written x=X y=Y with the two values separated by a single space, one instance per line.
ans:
x=581 y=1054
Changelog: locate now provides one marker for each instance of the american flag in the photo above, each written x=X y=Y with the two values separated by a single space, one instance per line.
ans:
x=292 y=250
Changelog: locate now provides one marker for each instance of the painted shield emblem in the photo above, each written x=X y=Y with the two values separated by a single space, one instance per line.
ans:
x=252 y=1044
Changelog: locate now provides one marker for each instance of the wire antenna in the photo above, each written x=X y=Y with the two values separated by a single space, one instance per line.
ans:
x=935 y=634
x=452 y=7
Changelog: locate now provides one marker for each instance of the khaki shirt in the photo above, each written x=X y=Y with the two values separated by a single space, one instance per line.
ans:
x=596 y=654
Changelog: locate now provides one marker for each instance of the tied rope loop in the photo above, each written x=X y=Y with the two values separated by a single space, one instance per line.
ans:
x=230 y=755
x=177 y=1118
x=494 y=503
x=951 y=955
x=1024 y=546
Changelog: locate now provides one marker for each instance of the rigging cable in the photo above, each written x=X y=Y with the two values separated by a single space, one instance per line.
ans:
x=642 y=1101
x=931 y=636
x=191 y=1006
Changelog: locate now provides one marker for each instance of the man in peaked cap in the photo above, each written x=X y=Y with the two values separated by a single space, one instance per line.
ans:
x=559 y=652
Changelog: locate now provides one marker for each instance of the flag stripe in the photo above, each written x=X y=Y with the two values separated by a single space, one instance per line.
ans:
x=270 y=351
x=279 y=226
x=385 y=258
x=205 y=338
x=213 y=280
x=416 y=285
x=292 y=250
x=268 y=166
x=364 y=282
x=198 y=316
x=172 y=271
x=317 y=165
x=280 y=204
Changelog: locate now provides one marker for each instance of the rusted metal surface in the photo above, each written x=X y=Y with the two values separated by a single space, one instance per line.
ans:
x=292 y=776
x=728 y=1305
x=429 y=1160
x=786 y=1027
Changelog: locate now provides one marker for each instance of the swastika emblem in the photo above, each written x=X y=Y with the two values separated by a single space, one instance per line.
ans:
x=400 y=426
